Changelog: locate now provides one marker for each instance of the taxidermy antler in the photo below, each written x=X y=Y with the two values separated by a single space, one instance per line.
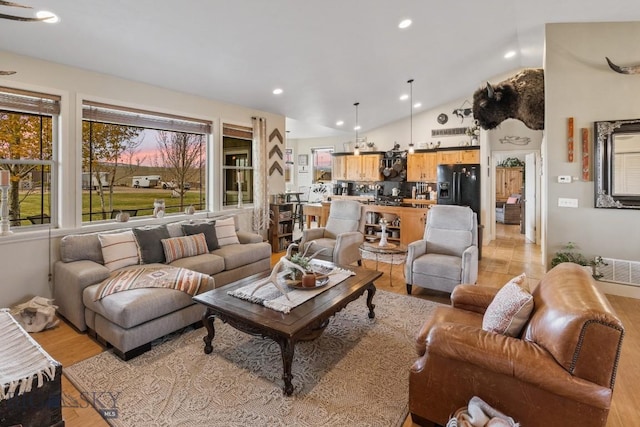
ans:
x=20 y=18
x=633 y=69
x=285 y=264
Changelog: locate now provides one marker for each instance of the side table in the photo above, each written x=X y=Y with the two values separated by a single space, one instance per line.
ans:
x=390 y=249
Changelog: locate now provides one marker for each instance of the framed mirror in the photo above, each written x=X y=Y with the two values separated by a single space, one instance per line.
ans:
x=617 y=164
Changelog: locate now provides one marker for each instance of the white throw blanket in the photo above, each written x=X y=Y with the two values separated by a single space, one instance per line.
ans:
x=24 y=365
x=269 y=296
x=480 y=414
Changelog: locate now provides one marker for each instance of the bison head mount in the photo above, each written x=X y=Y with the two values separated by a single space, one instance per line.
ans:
x=520 y=97
x=632 y=69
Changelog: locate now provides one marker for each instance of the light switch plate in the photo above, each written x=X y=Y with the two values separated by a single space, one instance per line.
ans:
x=564 y=179
x=567 y=203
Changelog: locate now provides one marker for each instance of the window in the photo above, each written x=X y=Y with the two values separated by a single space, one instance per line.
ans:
x=322 y=164
x=288 y=165
x=130 y=158
x=237 y=155
x=28 y=121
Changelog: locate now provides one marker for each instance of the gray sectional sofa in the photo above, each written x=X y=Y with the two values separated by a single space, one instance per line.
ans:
x=130 y=320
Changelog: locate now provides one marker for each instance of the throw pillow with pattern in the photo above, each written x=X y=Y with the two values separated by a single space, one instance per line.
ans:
x=226 y=232
x=182 y=247
x=206 y=228
x=510 y=309
x=119 y=249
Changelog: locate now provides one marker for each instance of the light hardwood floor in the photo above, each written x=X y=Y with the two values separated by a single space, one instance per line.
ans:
x=505 y=257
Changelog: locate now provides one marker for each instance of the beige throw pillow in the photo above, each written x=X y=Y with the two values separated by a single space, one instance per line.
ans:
x=226 y=232
x=510 y=308
x=119 y=249
x=182 y=247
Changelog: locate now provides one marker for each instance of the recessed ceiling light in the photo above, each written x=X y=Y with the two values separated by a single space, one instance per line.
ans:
x=404 y=97
x=510 y=54
x=53 y=18
x=277 y=91
x=356 y=128
x=405 y=23
x=339 y=122
x=417 y=105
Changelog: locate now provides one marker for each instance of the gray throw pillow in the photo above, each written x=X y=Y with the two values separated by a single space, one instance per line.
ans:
x=206 y=228
x=150 y=243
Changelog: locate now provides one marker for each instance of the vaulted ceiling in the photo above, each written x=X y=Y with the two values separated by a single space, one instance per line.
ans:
x=324 y=55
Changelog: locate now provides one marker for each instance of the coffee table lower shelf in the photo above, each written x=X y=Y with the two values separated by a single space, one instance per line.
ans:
x=305 y=322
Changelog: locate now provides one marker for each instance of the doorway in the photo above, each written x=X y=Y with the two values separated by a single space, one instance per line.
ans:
x=531 y=213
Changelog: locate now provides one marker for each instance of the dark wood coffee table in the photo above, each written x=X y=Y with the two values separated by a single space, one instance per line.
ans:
x=305 y=322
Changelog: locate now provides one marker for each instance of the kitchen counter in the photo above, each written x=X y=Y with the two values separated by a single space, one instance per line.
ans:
x=419 y=201
x=407 y=203
x=362 y=199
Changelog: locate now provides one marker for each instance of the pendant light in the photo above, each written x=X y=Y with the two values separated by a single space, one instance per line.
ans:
x=356 y=150
x=411 y=148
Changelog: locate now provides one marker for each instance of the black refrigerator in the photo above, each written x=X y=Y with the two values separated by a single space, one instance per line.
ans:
x=459 y=185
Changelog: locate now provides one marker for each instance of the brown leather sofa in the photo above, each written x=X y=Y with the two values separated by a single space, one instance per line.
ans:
x=559 y=372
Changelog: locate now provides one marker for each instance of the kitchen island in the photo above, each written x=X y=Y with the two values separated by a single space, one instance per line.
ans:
x=405 y=223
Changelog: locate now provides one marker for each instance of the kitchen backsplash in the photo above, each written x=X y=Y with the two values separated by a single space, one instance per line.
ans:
x=386 y=188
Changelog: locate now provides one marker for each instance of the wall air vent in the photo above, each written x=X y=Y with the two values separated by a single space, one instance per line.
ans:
x=620 y=271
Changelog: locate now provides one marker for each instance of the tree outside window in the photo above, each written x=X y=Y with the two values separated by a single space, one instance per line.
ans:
x=27 y=152
x=132 y=158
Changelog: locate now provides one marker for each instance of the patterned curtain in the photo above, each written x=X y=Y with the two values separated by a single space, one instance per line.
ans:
x=260 y=191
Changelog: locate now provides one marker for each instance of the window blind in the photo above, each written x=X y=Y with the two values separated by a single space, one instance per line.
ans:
x=29 y=102
x=104 y=113
x=237 y=131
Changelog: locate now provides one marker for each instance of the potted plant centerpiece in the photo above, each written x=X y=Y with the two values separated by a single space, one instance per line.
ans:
x=300 y=265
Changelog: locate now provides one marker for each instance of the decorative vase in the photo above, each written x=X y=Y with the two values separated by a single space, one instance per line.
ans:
x=383 y=236
x=239 y=195
x=308 y=280
x=122 y=217
x=158 y=208
x=474 y=140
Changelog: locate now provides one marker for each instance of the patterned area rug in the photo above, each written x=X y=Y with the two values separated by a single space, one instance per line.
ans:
x=355 y=374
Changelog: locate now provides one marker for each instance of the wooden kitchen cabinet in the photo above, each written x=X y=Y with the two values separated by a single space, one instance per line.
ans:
x=365 y=167
x=339 y=168
x=508 y=182
x=422 y=167
x=451 y=157
x=470 y=156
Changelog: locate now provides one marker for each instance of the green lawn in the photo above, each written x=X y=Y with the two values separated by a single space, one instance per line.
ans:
x=140 y=199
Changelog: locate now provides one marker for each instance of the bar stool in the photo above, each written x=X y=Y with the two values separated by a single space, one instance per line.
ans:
x=302 y=197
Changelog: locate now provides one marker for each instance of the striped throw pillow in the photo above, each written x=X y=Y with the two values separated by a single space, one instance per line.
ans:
x=226 y=232
x=119 y=249
x=182 y=247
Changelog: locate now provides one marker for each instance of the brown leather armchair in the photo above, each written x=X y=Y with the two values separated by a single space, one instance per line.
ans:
x=559 y=372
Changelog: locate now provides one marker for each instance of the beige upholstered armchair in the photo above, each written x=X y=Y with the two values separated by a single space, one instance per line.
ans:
x=447 y=255
x=340 y=238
